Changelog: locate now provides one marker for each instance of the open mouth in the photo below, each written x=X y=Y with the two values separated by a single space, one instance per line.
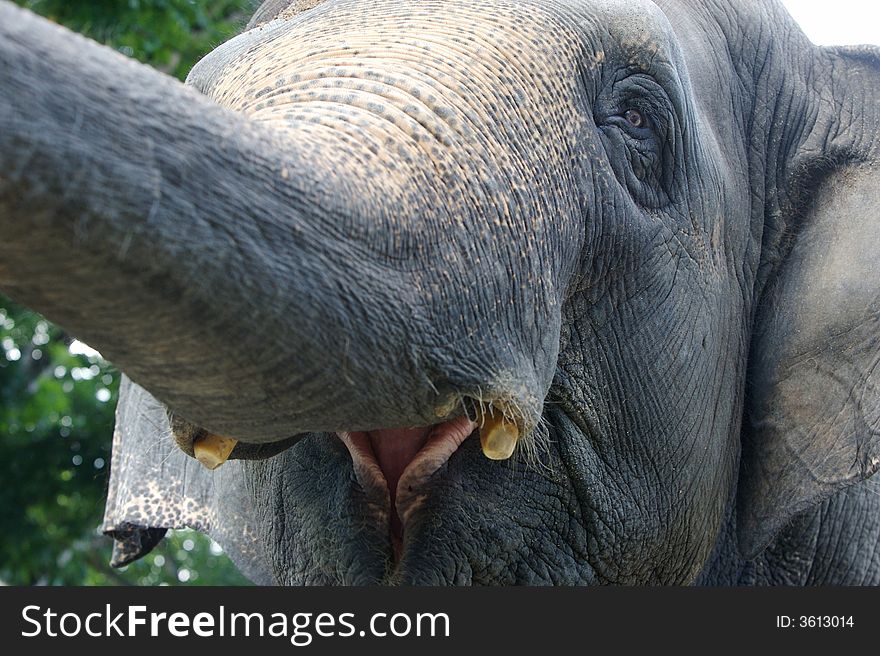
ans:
x=392 y=465
x=395 y=464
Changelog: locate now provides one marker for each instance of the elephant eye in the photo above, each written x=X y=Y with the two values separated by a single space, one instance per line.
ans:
x=635 y=122
x=635 y=118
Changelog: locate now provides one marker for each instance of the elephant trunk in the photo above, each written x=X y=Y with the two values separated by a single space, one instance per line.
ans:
x=260 y=280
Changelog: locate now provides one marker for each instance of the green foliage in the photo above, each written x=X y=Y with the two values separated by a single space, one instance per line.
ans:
x=183 y=557
x=168 y=34
x=57 y=397
x=57 y=400
x=55 y=416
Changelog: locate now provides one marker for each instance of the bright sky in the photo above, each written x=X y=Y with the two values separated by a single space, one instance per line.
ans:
x=837 y=22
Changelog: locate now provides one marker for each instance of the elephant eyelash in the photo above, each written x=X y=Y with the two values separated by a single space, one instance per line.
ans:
x=622 y=120
x=640 y=133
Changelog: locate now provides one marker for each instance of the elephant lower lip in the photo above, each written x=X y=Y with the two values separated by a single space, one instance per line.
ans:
x=394 y=464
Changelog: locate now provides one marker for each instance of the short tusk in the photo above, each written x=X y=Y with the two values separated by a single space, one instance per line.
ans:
x=498 y=436
x=213 y=450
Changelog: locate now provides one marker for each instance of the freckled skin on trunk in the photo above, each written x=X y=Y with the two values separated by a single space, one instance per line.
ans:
x=376 y=242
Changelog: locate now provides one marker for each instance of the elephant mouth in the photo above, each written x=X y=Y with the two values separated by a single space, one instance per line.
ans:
x=393 y=466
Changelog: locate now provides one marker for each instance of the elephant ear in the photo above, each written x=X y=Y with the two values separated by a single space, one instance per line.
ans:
x=812 y=422
x=154 y=486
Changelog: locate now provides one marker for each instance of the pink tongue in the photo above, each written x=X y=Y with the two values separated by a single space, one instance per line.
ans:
x=395 y=448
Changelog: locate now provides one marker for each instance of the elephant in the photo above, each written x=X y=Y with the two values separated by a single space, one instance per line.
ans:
x=490 y=292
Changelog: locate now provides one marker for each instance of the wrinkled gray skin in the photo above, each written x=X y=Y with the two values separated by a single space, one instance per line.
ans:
x=377 y=212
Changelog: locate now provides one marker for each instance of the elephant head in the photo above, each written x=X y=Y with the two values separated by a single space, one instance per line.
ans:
x=631 y=245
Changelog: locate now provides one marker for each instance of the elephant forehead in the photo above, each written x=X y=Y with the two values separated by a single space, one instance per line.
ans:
x=454 y=94
x=433 y=58
x=525 y=50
